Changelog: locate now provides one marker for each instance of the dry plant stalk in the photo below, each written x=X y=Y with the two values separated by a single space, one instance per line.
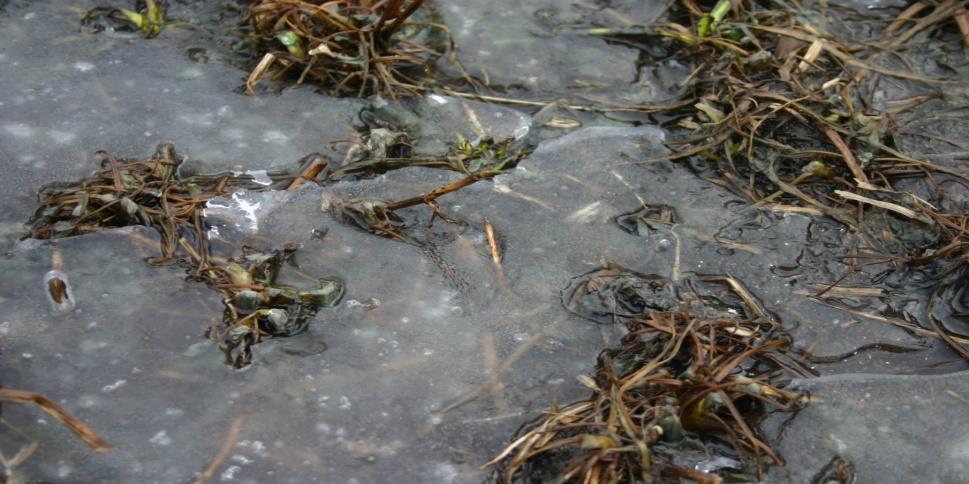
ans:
x=82 y=430
x=224 y=452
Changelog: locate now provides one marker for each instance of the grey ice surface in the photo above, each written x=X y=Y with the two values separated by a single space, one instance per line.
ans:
x=66 y=94
x=891 y=428
x=432 y=359
x=129 y=359
x=544 y=46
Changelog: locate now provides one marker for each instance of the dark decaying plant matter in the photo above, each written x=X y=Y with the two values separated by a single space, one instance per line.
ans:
x=348 y=47
x=787 y=112
x=695 y=375
x=152 y=193
x=804 y=115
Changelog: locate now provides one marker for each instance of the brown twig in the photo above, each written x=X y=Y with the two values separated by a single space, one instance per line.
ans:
x=905 y=16
x=82 y=430
x=309 y=173
x=442 y=190
x=224 y=452
x=961 y=18
x=495 y=250
x=846 y=154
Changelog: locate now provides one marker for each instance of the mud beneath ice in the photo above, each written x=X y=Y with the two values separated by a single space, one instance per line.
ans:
x=432 y=360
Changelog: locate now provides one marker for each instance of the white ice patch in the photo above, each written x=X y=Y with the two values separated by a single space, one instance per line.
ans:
x=83 y=66
x=61 y=137
x=204 y=119
x=19 y=130
x=114 y=386
x=437 y=99
x=274 y=136
x=256 y=446
x=233 y=133
x=229 y=473
x=161 y=438
x=260 y=177
x=240 y=211
x=190 y=73
x=241 y=459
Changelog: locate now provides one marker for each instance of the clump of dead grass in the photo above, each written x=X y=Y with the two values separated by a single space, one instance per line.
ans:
x=348 y=47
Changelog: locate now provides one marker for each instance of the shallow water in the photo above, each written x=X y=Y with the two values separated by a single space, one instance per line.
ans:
x=433 y=358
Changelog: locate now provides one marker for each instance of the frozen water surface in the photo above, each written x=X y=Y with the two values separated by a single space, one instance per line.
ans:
x=431 y=360
x=66 y=95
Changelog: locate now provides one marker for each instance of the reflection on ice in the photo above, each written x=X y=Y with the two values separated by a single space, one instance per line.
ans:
x=240 y=210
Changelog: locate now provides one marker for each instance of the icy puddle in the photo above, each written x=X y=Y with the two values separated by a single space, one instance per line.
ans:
x=431 y=360
x=435 y=354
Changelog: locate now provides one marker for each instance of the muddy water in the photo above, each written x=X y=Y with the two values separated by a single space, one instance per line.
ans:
x=434 y=357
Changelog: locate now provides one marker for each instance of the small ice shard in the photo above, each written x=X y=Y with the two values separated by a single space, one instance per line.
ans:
x=161 y=438
x=83 y=66
x=114 y=386
x=240 y=210
x=260 y=177
x=229 y=473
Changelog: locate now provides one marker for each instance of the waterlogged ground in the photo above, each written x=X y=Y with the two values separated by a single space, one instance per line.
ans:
x=434 y=357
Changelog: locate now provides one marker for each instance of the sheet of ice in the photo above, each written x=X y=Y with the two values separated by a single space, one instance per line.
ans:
x=429 y=330
x=127 y=94
x=886 y=426
x=543 y=45
x=432 y=360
